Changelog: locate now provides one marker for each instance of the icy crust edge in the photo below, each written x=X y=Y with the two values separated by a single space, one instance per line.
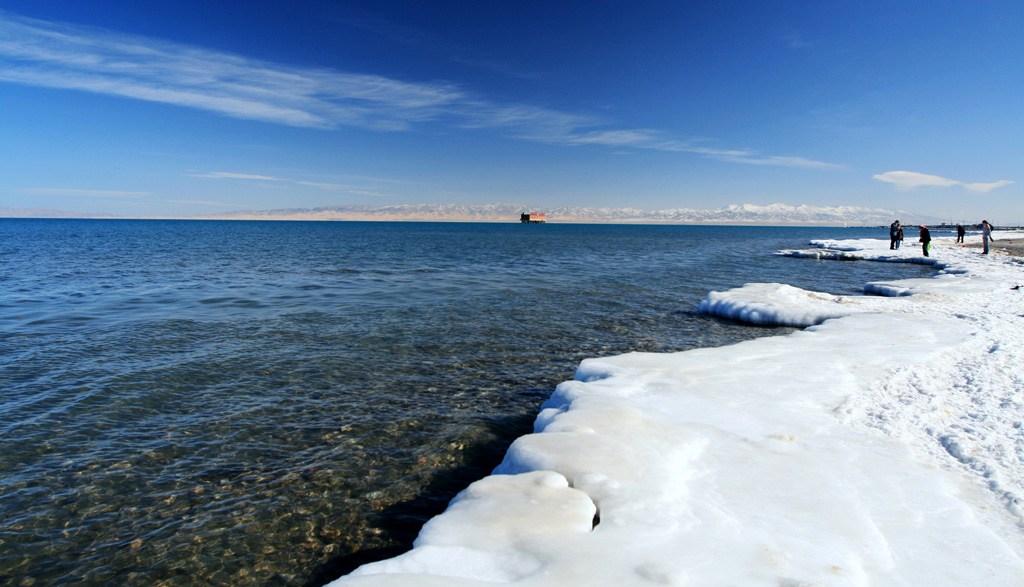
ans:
x=775 y=304
x=490 y=530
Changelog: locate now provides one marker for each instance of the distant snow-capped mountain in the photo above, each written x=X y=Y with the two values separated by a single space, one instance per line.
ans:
x=772 y=214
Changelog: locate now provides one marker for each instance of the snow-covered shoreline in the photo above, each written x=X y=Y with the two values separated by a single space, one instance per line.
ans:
x=881 y=445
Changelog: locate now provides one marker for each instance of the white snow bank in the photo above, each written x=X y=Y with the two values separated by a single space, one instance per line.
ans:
x=777 y=304
x=882 y=447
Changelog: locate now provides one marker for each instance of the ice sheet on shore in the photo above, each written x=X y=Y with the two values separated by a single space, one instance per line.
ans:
x=882 y=446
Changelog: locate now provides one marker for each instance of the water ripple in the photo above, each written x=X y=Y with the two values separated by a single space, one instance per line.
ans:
x=184 y=403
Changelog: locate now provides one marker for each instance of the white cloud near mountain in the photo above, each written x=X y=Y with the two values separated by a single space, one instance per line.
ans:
x=908 y=180
x=986 y=187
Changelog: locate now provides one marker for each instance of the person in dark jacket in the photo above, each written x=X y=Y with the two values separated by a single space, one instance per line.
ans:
x=894 y=231
x=960 y=230
x=926 y=240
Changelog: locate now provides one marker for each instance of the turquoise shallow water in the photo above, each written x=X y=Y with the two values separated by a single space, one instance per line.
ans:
x=253 y=403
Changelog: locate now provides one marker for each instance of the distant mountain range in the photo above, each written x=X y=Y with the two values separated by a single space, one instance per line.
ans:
x=773 y=214
x=770 y=215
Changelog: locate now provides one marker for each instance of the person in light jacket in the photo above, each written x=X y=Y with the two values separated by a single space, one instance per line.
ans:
x=986 y=235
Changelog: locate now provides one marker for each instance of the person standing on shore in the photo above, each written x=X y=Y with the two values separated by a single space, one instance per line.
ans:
x=926 y=240
x=986 y=235
x=894 y=232
x=899 y=236
x=960 y=233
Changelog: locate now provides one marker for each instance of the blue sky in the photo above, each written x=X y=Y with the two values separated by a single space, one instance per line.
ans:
x=180 y=108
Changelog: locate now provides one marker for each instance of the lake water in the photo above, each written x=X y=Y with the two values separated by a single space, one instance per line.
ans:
x=273 y=403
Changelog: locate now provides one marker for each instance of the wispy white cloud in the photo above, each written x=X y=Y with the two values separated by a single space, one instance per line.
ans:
x=566 y=133
x=331 y=187
x=753 y=158
x=47 y=54
x=360 y=190
x=908 y=180
x=226 y=175
x=202 y=203
x=82 y=193
x=616 y=138
x=983 y=188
